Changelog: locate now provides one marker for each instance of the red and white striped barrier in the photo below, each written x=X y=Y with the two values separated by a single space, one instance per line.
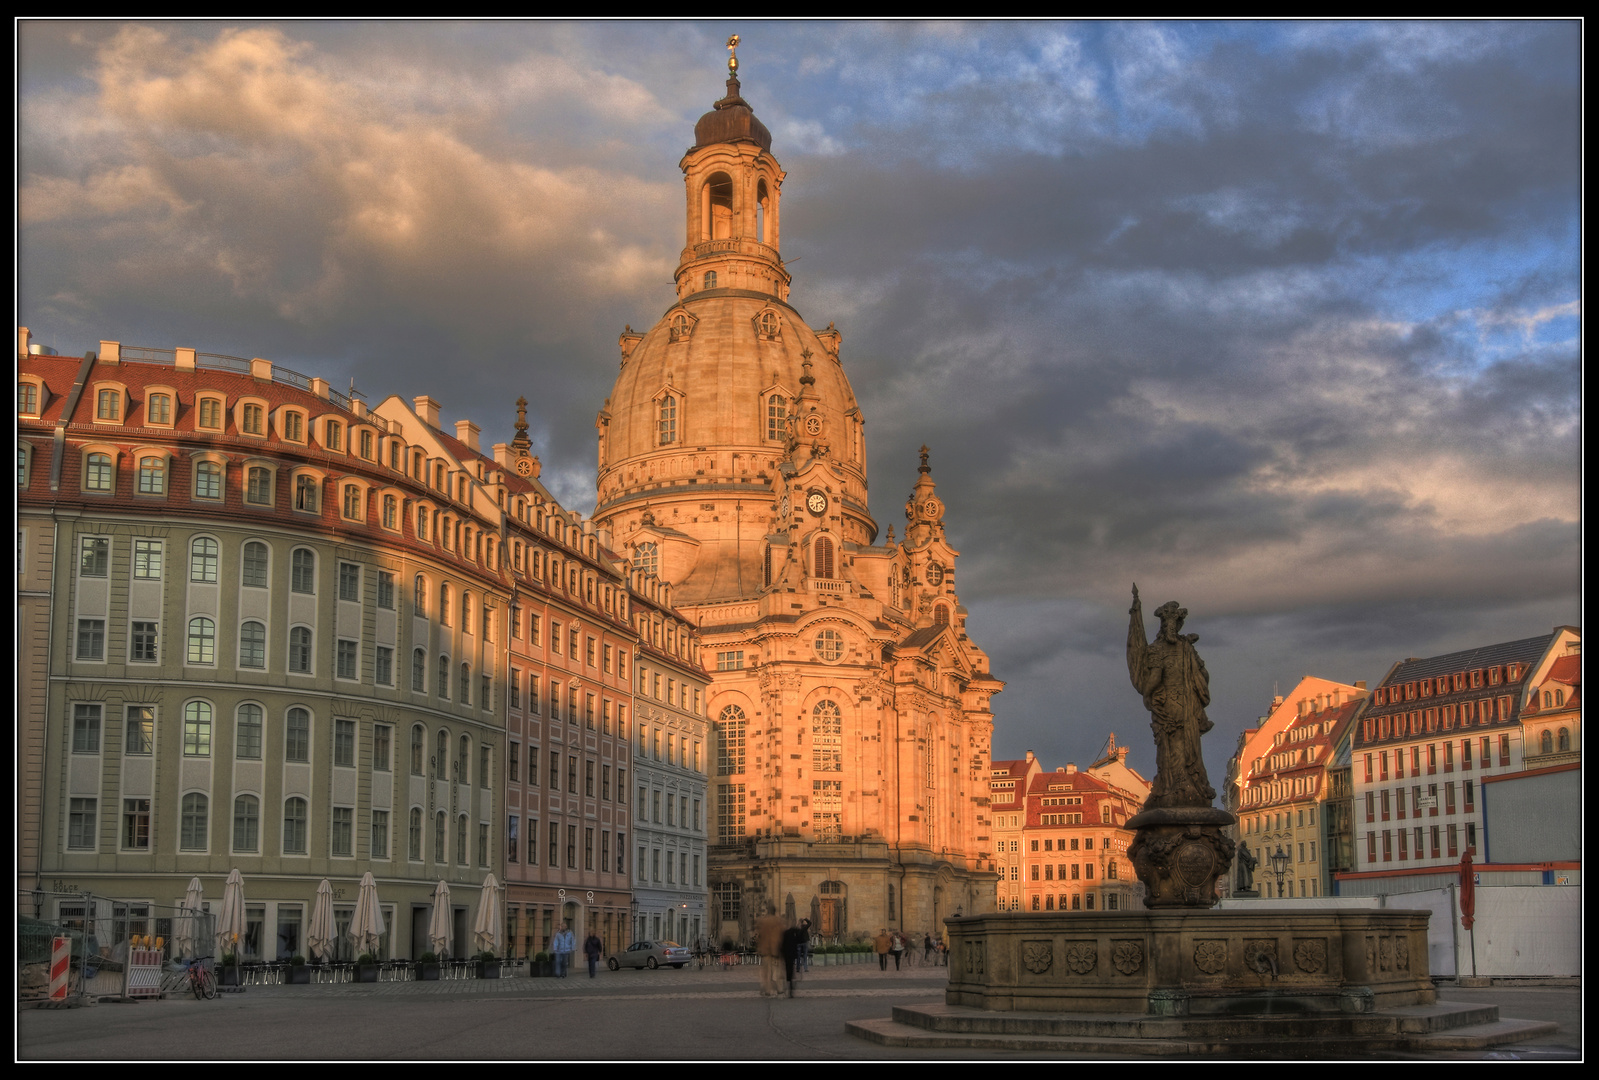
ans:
x=60 y=967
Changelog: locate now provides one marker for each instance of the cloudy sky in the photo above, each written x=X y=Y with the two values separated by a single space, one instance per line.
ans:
x=1279 y=320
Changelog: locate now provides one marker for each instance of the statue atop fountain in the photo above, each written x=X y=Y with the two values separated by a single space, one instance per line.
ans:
x=1180 y=849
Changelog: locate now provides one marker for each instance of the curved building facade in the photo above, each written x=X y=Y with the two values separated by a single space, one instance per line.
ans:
x=850 y=709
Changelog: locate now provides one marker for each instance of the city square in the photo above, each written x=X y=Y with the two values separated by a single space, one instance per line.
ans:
x=401 y=630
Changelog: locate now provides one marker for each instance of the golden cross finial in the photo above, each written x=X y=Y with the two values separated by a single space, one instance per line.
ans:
x=732 y=55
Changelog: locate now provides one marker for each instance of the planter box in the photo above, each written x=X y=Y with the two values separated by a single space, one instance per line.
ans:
x=488 y=969
x=425 y=972
x=367 y=973
x=541 y=969
x=227 y=976
x=297 y=976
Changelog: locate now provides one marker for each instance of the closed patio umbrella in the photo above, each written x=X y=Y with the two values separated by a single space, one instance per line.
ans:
x=230 y=920
x=439 y=929
x=486 y=931
x=320 y=934
x=187 y=937
x=366 y=928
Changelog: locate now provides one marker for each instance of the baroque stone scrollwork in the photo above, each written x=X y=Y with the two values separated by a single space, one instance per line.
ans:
x=1038 y=956
x=1401 y=955
x=974 y=958
x=1385 y=954
x=1210 y=956
x=1310 y=955
x=1127 y=956
x=1082 y=956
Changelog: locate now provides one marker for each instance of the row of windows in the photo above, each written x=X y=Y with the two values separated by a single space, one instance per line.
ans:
x=553 y=776
x=1411 y=842
x=777 y=414
x=139 y=733
x=1389 y=801
x=677 y=810
x=1484 y=747
x=562 y=847
x=1459 y=682
x=651 y=860
x=1087 y=871
x=137 y=834
x=205 y=566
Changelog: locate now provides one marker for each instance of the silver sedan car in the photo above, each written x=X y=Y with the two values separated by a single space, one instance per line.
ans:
x=650 y=954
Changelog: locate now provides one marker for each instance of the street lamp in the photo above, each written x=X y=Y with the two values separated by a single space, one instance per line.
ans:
x=1279 y=864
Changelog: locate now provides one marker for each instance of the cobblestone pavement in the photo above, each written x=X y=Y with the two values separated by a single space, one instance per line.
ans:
x=628 y=1015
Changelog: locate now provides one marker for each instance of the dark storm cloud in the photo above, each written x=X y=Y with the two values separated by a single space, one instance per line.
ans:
x=1277 y=319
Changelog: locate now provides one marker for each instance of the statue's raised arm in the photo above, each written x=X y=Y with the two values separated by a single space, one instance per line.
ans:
x=1137 y=643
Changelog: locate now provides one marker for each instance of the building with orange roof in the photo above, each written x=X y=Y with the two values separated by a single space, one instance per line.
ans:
x=1285 y=785
x=1075 y=847
x=1007 y=806
x=1551 y=723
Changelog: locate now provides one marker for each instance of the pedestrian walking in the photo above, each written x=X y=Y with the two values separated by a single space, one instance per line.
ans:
x=927 y=948
x=592 y=947
x=896 y=947
x=564 y=945
x=769 y=948
x=805 y=946
x=882 y=944
x=794 y=939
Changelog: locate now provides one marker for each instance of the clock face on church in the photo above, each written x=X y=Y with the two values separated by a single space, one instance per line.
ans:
x=816 y=502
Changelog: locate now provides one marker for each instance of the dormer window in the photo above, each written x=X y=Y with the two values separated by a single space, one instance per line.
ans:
x=333 y=436
x=293 y=425
x=158 y=409
x=667 y=425
x=305 y=494
x=253 y=420
x=27 y=399
x=108 y=405
x=97 y=473
x=152 y=475
x=211 y=413
x=368 y=443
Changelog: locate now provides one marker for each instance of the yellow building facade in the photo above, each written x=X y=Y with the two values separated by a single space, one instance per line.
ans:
x=850 y=709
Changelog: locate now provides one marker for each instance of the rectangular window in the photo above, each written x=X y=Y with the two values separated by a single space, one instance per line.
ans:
x=382 y=747
x=258 y=485
x=533 y=766
x=1471 y=797
x=349 y=581
x=385 y=590
x=210 y=413
x=730 y=661
x=343 y=832
x=344 y=743
x=147 y=560
x=384 y=664
x=555 y=843
x=138 y=735
x=82 y=824
x=86 y=729
x=142 y=643
x=91 y=639
x=555 y=770
x=108 y=405
x=380 y=834
x=588 y=849
x=136 y=824
x=347 y=652
x=297 y=736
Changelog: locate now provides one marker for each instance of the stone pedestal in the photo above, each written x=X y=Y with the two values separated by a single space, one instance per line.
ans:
x=1179 y=853
x=1191 y=963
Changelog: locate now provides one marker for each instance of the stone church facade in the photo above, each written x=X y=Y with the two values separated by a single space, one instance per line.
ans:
x=849 y=777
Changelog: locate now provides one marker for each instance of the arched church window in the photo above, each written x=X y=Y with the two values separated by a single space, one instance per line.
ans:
x=710 y=279
x=763 y=207
x=1546 y=743
x=648 y=558
x=730 y=730
x=1565 y=740
x=827 y=738
x=767 y=324
x=776 y=417
x=768 y=564
x=717 y=209
x=905 y=587
x=940 y=615
x=668 y=422
x=824 y=558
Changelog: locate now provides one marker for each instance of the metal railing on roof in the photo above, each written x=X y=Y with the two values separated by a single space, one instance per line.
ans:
x=144 y=354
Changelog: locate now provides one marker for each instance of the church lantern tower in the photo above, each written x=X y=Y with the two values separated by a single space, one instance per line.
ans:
x=849 y=775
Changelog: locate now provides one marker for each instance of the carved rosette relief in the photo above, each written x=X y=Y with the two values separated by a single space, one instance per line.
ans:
x=1038 y=956
x=1260 y=956
x=1127 y=956
x=1210 y=956
x=1310 y=955
x=1081 y=956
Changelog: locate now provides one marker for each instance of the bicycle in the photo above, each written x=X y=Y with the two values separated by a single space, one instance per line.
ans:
x=194 y=976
